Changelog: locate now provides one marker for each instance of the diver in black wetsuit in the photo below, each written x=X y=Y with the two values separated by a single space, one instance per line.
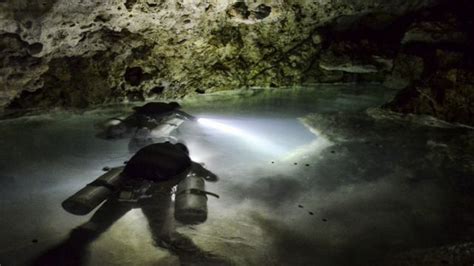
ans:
x=149 y=177
x=148 y=117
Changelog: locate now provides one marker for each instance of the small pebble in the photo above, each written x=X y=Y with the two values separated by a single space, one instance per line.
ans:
x=300 y=206
x=295 y=163
x=106 y=168
x=34 y=241
x=324 y=220
x=311 y=213
x=273 y=162
x=307 y=164
x=333 y=151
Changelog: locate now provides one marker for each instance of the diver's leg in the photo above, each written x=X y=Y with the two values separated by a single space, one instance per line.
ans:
x=157 y=211
x=111 y=211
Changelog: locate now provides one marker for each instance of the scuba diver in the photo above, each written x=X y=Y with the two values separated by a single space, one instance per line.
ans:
x=151 y=123
x=146 y=181
x=148 y=116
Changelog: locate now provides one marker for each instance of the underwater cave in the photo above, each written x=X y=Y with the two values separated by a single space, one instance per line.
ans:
x=237 y=132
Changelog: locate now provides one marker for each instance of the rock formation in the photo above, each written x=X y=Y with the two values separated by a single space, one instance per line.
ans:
x=82 y=53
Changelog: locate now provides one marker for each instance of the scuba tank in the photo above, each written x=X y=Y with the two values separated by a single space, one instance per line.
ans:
x=92 y=195
x=155 y=132
x=167 y=126
x=191 y=200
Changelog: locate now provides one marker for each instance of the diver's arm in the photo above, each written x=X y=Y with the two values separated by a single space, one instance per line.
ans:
x=185 y=115
x=203 y=172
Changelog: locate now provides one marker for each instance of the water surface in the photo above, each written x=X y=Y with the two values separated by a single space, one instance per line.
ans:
x=343 y=188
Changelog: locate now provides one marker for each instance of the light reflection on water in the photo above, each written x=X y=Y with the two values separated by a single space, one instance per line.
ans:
x=243 y=141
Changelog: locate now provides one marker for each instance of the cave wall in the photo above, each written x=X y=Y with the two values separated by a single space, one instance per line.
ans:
x=435 y=66
x=82 y=53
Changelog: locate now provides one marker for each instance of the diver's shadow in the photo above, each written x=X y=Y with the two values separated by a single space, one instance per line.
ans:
x=158 y=211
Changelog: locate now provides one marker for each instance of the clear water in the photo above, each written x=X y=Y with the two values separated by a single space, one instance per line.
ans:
x=352 y=192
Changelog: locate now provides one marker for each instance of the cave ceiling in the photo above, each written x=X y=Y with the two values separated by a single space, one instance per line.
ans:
x=83 y=53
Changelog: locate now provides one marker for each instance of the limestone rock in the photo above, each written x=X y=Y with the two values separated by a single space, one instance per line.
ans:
x=448 y=30
x=407 y=70
x=16 y=59
x=360 y=58
x=448 y=95
x=181 y=46
x=446 y=59
x=345 y=64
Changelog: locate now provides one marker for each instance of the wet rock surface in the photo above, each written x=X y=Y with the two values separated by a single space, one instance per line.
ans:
x=58 y=53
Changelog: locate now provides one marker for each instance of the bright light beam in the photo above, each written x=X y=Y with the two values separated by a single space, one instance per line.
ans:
x=261 y=143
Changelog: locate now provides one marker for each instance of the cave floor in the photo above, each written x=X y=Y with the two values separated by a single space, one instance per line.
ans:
x=341 y=186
